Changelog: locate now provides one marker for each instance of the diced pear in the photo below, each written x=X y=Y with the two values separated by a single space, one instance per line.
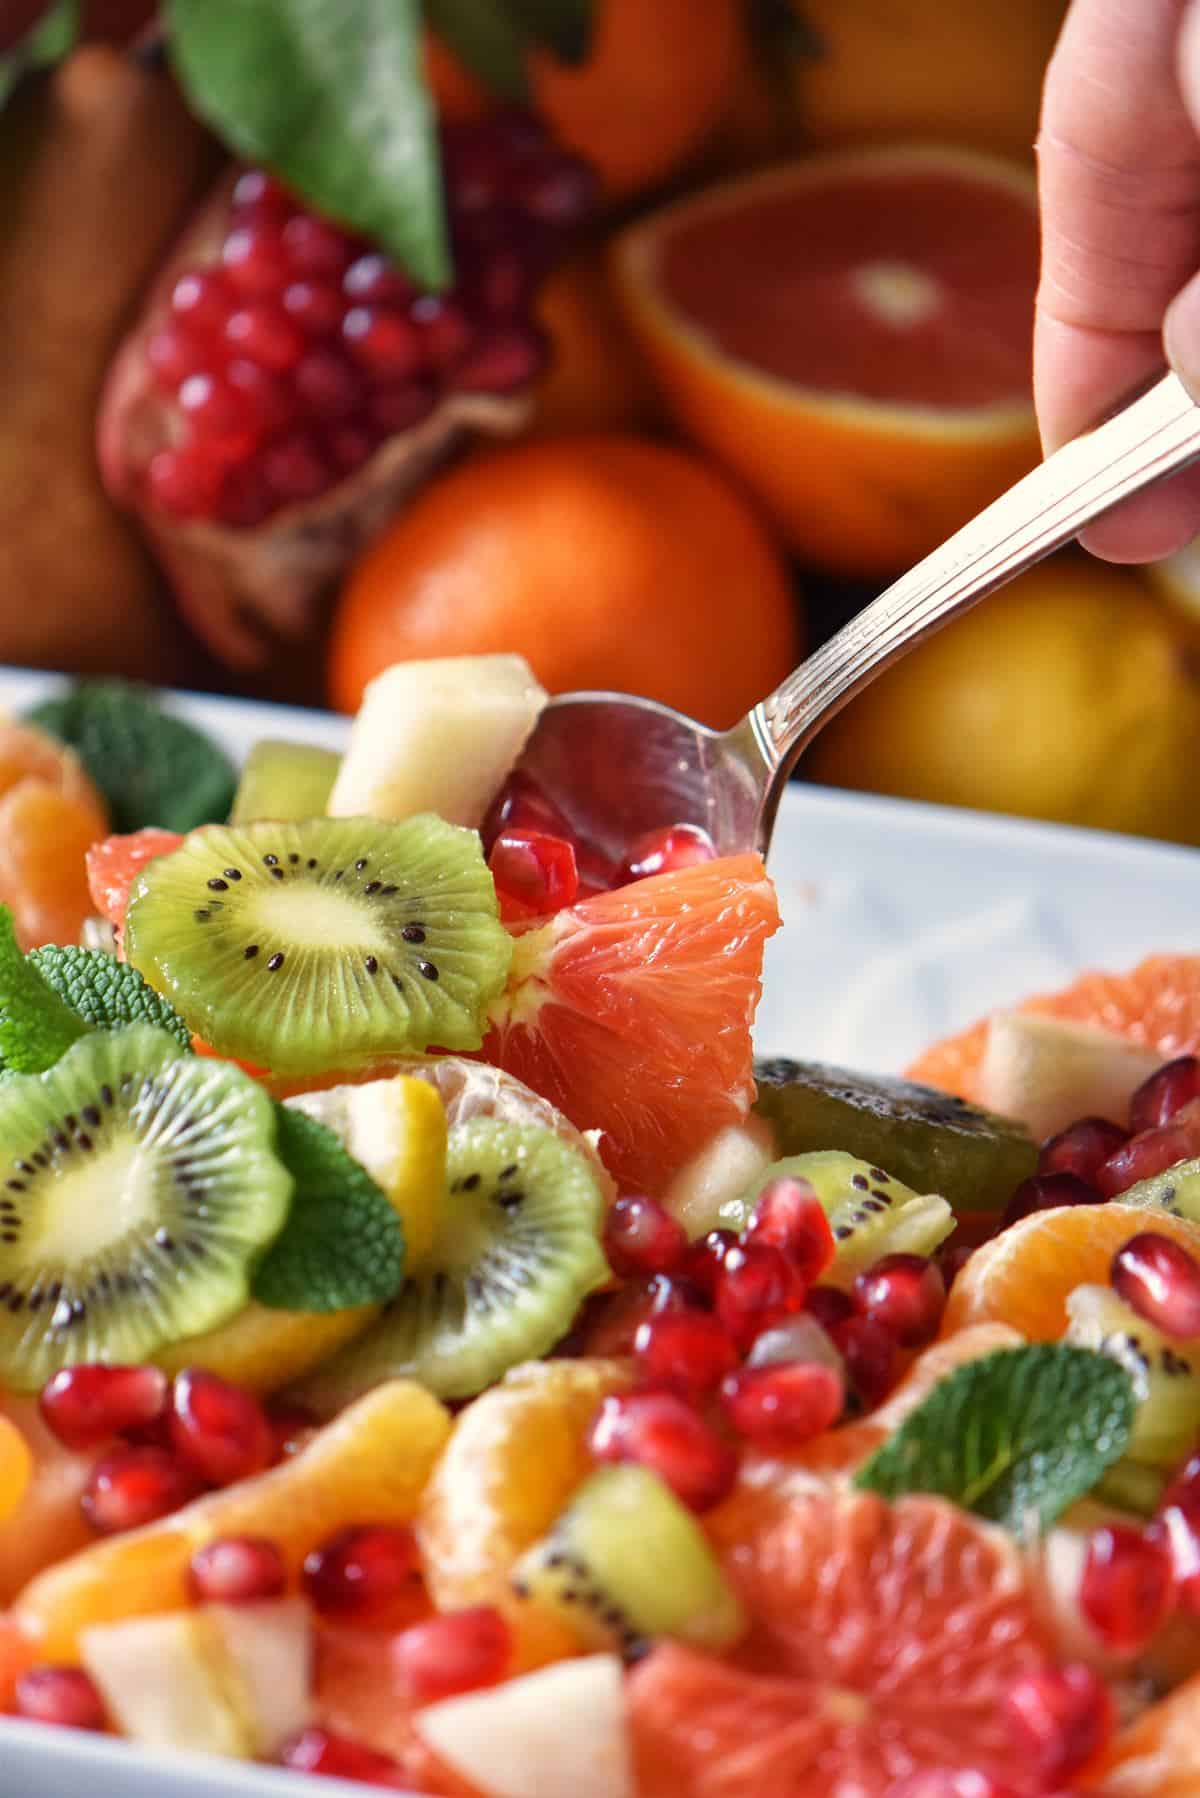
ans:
x=722 y=1170
x=437 y=736
x=559 y=1733
x=1048 y=1072
x=269 y=1651
x=165 y=1684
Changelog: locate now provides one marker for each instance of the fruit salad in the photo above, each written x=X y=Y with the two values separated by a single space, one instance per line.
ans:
x=434 y=1354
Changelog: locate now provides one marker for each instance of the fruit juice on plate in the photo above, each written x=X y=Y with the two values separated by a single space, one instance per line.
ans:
x=434 y=1354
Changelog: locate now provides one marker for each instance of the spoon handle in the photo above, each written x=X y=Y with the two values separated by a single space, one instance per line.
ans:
x=1149 y=438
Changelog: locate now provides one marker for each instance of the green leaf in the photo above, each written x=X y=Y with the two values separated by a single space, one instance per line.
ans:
x=36 y=1028
x=564 y=27
x=104 y=992
x=1016 y=1436
x=333 y=98
x=489 y=39
x=342 y=1244
x=50 y=40
x=151 y=767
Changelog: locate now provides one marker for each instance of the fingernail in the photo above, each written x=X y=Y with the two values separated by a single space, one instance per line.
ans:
x=1181 y=336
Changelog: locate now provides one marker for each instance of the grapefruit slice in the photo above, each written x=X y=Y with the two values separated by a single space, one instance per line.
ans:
x=631 y=1012
x=884 y=1637
x=114 y=864
x=851 y=335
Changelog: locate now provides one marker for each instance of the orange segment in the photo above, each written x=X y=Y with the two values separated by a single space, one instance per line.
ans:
x=851 y=335
x=1158 y=1756
x=16 y=1468
x=47 y=1523
x=517 y=1454
x=1156 y=1003
x=1024 y=1276
x=372 y=1463
x=45 y=834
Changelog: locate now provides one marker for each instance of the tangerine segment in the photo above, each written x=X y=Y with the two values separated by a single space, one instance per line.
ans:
x=882 y=1639
x=1023 y=1276
x=45 y=834
x=1158 y=1756
x=851 y=335
x=516 y=1455
x=47 y=1523
x=27 y=753
x=16 y=1468
x=371 y=1463
x=1156 y=1003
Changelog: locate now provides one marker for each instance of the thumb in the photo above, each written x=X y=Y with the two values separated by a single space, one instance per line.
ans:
x=1181 y=336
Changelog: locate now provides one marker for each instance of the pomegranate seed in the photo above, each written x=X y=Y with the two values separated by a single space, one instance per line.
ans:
x=686 y=1351
x=869 y=1352
x=337 y=1757
x=661 y=1431
x=246 y=500
x=201 y=300
x=829 y=1305
x=951 y=1260
x=904 y=1293
x=255 y=259
x=535 y=875
x=359 y=1571
x=556 y=190
x=780 y=1407
x=1081 y=1148
x=87 y=1405
x=612 y=1319
x=315 y=247
x=291 y=1427
x=219 y=416
x=328 y=383
x=185 y=482
x=801 y=1338
x=266 y=335
x=444 y=331
x=503 y=358
x=66 y=1696
x=1126 y=1589
x=1161 y=1280
x=521 y=805
x=704 y=1260
x=295 y=468
x=133 y=1486
x=1166 y=1092
x=397 y=409
x=259 y=193
x=756 y=1287
x=1062 y=1716
x=267 y=400
x=351 y=445
x=641 y=1237
x=237 y=1570
x=1176 y=1528
x=1153 y=1152
x=500 y=281
x=218 y=1430
x=384 y=343
x=459 y=1651
x=316 y=308
x=789 y=1215
x=665 y=851
x=1046 y=1192
x=373 y=280
x=173 y=353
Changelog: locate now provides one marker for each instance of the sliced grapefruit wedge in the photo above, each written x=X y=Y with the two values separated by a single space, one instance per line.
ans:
x=852 y=336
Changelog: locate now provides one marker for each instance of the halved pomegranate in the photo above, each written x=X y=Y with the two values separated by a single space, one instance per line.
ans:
x=286 y=386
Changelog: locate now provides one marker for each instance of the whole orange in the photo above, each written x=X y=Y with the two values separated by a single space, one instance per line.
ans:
x=608 y=562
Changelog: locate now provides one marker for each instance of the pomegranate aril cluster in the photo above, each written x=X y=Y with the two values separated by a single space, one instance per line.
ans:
x=287 y=361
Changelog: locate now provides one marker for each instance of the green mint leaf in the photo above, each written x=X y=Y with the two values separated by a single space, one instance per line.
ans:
x=106 y=993
x=36 y=1028
x=564 y=27
x=151 y=767
x=1016 y=1436
x=47 y=41
x=333 y=98
x=342 y=1244
x=488 y=39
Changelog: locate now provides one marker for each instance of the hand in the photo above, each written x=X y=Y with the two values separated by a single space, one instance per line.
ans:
x=1119 y=173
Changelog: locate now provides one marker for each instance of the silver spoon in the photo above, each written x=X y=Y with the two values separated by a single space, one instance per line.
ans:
x=617 y=766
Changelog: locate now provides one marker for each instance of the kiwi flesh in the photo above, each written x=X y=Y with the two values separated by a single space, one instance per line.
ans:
x=1165 y=1374
x=626 y=1562
x=1176 y=1189
x=322 y=943
x=138 y=1188
x=870 y=1212
x=284 y=780
x=933 y=1141
x=516 y=1253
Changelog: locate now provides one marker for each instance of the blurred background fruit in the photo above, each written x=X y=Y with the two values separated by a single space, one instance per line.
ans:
x=596 y=379
x=851 y=336
x=1068 y=695
x=604 y=560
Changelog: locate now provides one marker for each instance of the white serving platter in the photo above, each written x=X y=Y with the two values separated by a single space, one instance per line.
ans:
x=901 y=922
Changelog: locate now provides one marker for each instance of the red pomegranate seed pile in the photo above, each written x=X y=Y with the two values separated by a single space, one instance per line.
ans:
x=360 y=1571
x=285 y=362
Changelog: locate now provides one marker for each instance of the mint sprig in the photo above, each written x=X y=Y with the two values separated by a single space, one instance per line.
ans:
x=342 y=1244
x=104 y=992
x=1015 y=1436
x=36 y=1027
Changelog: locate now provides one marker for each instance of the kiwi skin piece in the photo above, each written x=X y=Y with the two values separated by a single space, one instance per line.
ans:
x=1165 y=1373
x=284 y=780
x=625 y=1562
x=933 y=1141
x=324 y=943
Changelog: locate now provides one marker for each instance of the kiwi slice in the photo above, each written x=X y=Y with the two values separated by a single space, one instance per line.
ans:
x=516 y=1252
x=1176 y=1189
x=318 y=944
x=1165 y=1374
x=626 y=1562
x=870 y=1212
x=284 y=780
x=138 y=1187
x=933 y=1141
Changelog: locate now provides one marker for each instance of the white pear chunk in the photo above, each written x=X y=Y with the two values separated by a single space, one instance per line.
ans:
x=437 y=736
x=557 y=1733
x=1048 y=1072
x=726 y=1167
x=164 y=1682
x=268 y=1648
